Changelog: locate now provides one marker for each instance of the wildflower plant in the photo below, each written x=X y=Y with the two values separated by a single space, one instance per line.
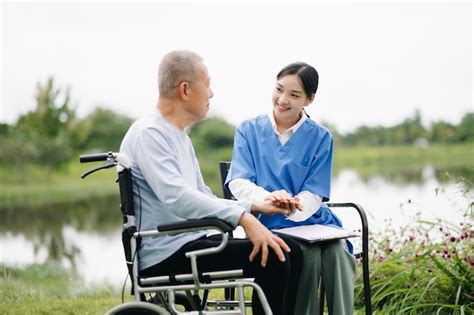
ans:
x=423 y=268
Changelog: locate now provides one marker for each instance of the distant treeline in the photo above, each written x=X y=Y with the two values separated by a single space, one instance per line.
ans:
x=410 y=131
x=52 y=133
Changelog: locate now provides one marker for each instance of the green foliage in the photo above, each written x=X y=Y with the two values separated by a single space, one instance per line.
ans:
x=102 y=130
x=465 y=131
x=50 y=134
x=213 y=132
x=4 y=129
x=17 y=152
x=410 y=131
x=41 y=136
x=52 y=116
x=442 y=132
x=423 y=268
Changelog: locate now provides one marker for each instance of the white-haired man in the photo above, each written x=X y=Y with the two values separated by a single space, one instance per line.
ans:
x=169 y=188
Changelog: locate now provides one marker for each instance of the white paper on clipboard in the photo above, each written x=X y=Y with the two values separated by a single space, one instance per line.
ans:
x=317 y=233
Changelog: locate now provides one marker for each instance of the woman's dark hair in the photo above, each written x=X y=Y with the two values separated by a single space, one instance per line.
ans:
x=308 y=76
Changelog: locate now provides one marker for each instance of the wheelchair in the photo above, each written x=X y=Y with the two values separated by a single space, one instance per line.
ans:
x=224 y=167
x=173 y=293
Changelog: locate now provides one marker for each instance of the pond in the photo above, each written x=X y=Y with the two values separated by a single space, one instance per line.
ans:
x=86 y=236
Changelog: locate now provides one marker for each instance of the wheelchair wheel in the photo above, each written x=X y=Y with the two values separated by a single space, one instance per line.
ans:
x=137 y=308
x=180 y=298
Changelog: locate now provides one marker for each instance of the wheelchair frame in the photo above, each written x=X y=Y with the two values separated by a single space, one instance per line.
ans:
x=168 y=287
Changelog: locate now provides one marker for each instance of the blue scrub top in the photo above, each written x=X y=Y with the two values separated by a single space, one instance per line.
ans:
x=303 y=163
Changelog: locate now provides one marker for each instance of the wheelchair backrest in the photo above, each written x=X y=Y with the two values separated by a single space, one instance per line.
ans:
x=224 y=169
x=125 y=180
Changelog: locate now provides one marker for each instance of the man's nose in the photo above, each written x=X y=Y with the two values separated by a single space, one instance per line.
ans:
x=211 y=94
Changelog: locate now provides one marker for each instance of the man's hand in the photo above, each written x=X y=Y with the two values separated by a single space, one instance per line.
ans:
x=262 y=238
x=283 y=199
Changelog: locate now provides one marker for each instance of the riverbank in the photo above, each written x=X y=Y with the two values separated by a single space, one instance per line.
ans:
x=65 y=185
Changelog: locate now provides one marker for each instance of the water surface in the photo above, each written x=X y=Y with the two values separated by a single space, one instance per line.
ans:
x=86 y=236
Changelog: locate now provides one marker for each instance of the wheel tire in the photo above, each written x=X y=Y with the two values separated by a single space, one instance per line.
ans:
x=182 y=299
x=137 y=308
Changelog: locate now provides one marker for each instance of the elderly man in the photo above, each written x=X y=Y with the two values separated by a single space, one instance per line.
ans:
x=169 y=188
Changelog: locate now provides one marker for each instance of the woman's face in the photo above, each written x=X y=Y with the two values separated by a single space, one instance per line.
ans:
x=289 y=99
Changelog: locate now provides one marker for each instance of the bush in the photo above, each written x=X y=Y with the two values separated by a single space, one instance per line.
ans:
x=424 y=268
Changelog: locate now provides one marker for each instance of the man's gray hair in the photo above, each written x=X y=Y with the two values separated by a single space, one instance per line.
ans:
x=175 y=67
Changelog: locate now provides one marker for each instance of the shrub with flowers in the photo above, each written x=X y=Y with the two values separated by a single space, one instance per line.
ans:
x=423 y=268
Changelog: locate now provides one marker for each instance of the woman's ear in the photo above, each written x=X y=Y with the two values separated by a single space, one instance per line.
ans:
x=310 y=100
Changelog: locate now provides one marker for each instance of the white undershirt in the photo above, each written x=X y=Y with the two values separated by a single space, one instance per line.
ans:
x=243 y=189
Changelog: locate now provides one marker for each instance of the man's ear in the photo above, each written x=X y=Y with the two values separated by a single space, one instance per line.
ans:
x=183 y=90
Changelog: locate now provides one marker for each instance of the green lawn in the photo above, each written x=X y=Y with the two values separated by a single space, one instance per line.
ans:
x=63 y=186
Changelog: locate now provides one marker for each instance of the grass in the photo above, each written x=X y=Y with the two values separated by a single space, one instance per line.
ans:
x=62 y=187
x=50 y=289
x=393 y=159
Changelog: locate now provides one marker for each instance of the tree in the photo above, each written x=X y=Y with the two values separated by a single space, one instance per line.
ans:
x=465 y=130
x=102 y=130
x=212 y=133
x=442 y=131
x=16 y=153
x=4 y=129
x=46 y=129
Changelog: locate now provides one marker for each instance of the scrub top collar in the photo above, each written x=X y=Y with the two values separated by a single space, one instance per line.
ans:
x=289 y=132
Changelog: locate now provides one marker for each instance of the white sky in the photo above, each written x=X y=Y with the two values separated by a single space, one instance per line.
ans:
x=377 y=61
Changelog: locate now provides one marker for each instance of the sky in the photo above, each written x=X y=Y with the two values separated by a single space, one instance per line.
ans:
x=378 y=61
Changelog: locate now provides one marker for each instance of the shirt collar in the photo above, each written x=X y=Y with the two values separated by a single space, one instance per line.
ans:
x=293 y=128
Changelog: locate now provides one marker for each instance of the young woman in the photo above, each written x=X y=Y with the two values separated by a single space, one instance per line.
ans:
x=286 y=157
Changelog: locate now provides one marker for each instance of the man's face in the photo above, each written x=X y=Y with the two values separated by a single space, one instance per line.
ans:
x=199 y=93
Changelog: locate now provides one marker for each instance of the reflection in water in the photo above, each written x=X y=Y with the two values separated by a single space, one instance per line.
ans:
x=419 y=175
x=86 y=236
x=52 y=233
x=397 y=203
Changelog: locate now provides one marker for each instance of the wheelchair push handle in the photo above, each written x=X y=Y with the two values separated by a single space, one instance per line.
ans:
x=112 y=159
x=86 y=158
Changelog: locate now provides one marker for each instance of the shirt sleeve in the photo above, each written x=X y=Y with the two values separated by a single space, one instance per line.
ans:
x=160 y=169
x=201 y=186
x=242 y=165
x=243 y=189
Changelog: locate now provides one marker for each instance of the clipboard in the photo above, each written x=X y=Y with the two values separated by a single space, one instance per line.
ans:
x=317 y=233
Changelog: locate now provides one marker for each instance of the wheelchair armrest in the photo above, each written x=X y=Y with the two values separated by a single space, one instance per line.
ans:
x=360 y=211
x=196 y=223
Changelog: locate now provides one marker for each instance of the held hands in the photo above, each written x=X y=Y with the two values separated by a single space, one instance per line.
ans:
x=269 y=207
x=282 y=199
x=262 y=238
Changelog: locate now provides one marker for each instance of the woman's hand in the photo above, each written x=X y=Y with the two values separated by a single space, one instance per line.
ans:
x=268 y=207
x=283 y=199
